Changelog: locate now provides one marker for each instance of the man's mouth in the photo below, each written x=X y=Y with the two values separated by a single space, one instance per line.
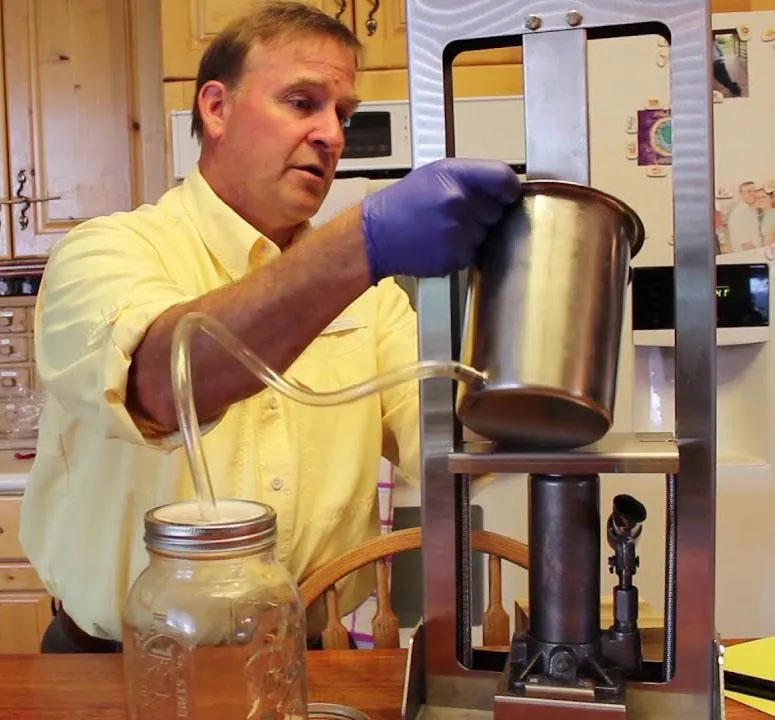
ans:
x=315 y=170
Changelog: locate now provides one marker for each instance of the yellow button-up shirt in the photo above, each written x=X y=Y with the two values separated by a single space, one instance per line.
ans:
x=96 y=472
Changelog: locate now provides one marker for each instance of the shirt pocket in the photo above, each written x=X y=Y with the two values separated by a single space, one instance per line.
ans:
x=343 y=354
x=343 y=337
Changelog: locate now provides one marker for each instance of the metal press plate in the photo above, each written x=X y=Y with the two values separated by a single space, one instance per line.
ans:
x=614 y=453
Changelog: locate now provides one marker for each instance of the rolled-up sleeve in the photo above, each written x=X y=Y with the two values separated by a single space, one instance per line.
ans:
x=103 y=287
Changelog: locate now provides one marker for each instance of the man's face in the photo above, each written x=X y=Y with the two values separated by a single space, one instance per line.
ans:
x=748 y=194
x=763 y=201
x=279 y=134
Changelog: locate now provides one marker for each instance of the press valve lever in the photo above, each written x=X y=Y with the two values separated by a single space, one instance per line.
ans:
x=621 y=644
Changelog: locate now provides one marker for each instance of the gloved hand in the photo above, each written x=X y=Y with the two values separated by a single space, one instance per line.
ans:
x=432 y=221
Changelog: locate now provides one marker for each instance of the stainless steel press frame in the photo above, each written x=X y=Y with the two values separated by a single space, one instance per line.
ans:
x=445 y=674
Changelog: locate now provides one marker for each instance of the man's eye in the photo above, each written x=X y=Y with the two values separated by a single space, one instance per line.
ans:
x=301 y=103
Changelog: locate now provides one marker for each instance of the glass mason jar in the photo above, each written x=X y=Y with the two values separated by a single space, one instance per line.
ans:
x=214 y=627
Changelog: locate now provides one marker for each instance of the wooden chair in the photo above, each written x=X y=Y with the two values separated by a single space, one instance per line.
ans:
x=495 y=620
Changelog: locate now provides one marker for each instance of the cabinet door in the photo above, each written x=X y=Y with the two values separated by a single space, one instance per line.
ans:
x=381 y=26
x=5 y=191
x=69 y=130
x=189 y=25
x=24 y=618
x=722 y=6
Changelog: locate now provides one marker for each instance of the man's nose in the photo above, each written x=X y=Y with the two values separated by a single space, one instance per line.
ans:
x=328 y=132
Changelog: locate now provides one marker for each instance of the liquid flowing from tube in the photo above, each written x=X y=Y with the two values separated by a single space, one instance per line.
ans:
x=186 y=407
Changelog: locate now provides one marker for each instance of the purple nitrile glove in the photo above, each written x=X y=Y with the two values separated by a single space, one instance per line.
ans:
x=433 y=221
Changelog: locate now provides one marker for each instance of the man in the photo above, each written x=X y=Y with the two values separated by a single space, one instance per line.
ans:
x=721 y=73
x=233 y=241
x=743 y=226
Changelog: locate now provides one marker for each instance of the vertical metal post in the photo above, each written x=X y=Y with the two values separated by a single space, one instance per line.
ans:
x=556 y=105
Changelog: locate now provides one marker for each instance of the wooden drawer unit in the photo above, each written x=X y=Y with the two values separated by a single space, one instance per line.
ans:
x=10 y=547
x=15 y=381
x=15 y=431
x=14 y=349
x=18 y=377
x=25 y=606
x=19 y=577
x=14 y=320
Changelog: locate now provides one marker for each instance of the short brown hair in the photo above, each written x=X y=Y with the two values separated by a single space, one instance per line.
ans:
x=224 y=59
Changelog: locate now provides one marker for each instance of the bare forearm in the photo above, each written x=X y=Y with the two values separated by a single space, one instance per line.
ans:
x=276 y=311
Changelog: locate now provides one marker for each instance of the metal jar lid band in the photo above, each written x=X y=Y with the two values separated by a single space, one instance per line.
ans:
x=180 y=528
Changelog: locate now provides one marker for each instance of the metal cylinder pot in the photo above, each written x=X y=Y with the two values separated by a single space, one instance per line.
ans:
x=544 y=317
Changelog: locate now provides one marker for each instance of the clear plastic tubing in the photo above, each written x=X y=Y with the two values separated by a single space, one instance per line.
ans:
x=186 y=407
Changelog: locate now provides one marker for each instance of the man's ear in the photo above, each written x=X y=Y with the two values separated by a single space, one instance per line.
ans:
x=214 y=101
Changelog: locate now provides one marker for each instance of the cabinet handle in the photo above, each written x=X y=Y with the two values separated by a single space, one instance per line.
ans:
x=25 y=200
x=371 y=23
x=342 y=8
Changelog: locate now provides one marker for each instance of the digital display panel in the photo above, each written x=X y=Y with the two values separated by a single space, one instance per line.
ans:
x=742 y=297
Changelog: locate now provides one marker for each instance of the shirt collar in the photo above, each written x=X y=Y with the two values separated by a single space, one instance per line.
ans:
x=233 y=241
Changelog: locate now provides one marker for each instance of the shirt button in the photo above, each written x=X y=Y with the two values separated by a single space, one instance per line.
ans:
x=276 y=483
x=273 y=404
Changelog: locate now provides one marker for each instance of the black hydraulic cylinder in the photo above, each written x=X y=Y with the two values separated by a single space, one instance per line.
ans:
x=564 y=547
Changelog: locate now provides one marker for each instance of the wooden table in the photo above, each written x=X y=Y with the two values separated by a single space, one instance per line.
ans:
x=90 y=687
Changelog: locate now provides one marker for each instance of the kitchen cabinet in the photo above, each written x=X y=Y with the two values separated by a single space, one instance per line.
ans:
x=381 y=26
x=71 y=123
x=25 y=606
x=189 y=25
x=721 y=6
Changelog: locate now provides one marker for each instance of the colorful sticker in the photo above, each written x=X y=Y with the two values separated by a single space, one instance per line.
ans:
x=655 y=137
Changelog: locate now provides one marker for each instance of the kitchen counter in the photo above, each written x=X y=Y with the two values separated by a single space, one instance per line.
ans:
x=13 y=472
x=90 y=687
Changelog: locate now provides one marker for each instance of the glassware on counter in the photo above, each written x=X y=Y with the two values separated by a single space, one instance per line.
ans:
x=214 y=627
